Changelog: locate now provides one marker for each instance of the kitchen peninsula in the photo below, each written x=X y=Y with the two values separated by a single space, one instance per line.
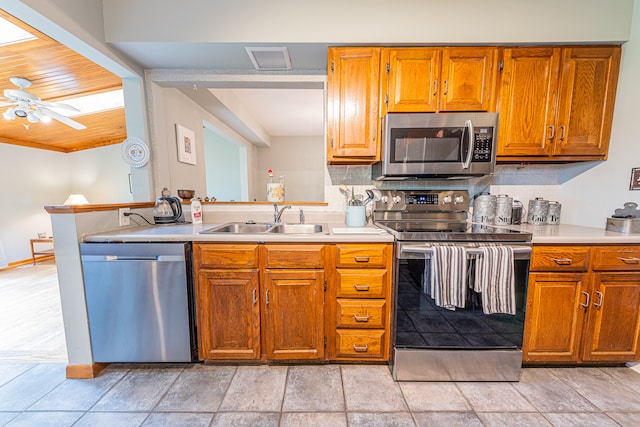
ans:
x=99 y=224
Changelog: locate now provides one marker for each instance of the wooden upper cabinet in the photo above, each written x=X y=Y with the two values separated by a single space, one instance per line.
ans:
x=556 y=104
x=588 y=83
x=437 y=79
x=412 y=79
x=467 y=78
x=528 y=91
x=353 y=99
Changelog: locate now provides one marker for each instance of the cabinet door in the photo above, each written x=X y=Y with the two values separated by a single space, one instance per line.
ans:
x=528 y=89
x=412 y=79
x=554 y=317
x=467 y=79
x=228 y=314
x=613 y=327
x=353 y=98
x=293 y=314
x=587 y=93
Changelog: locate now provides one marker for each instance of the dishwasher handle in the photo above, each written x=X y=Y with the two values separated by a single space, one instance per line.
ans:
x=111 y=258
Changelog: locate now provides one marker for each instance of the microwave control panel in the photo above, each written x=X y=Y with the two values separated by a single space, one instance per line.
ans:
x=482 y=144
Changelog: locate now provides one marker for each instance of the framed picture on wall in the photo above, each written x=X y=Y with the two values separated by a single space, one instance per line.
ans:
x=186 y=145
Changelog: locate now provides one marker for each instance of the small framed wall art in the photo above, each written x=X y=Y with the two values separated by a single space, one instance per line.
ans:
x=186 y=145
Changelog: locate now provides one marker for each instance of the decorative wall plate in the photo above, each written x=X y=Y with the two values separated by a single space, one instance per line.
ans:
x=135 y=152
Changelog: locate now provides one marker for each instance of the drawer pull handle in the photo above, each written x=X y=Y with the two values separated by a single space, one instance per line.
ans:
x=363 y=319
x=361 y=288
x=562 y=261
x=629 y=260
x=599 y=303
x=361 y=348
x=361 y=258
x=254 y=297
x=586 y=303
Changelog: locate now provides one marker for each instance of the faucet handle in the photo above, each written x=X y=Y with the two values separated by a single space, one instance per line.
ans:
x=301 y=216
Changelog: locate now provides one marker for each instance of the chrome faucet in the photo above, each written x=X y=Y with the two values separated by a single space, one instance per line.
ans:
x=278 y=213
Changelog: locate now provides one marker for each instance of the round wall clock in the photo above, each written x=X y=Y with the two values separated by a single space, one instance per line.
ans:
x=135 y=152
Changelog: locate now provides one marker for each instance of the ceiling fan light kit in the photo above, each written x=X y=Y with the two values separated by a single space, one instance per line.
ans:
x=27 y=105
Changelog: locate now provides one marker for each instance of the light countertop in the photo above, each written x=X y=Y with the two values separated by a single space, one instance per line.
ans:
x=575 y=234
x=338 y=232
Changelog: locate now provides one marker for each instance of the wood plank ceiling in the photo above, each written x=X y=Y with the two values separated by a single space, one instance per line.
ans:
x=57 y=73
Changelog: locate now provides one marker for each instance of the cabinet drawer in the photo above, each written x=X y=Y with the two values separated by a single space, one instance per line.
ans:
x=226 y=256
x=361 y=256
x=560 y=258
x=360 y=343
x=360 y=313
x=362 y=283
x=616 y=258
x=293 y=256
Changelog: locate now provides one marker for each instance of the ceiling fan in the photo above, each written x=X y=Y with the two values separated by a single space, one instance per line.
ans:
x=27 y=105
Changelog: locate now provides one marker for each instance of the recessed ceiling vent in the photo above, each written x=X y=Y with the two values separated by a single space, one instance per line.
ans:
x=269 y=58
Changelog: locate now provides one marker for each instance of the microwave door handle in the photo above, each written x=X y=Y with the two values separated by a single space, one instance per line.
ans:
x=468 y=125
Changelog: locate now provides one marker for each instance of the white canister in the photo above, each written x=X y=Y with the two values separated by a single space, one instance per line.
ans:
x=538 y=210
x=504 y=208
x=484 y=209
x=356 y=216
x=553 y=215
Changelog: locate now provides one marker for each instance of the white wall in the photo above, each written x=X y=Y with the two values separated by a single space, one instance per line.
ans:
x=366 y=21
x=168 y=107
x=591 y=197
x=301 y=160
x=31 y=179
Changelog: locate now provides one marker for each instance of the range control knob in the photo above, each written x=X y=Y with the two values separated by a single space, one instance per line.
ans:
x=397 y=199
x=446 y=199
x=459 y=199
x=384 y=199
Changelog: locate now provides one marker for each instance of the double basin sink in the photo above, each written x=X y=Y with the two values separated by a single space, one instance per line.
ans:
x=263 y=227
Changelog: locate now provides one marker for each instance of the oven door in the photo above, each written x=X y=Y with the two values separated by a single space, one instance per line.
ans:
x=445 y=144
x=432 y=343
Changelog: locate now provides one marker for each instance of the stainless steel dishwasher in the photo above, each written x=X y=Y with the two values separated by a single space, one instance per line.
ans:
x=139 y=301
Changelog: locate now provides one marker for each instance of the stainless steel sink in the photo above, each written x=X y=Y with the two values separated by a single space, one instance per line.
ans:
x=240 y=228
x=299 y=229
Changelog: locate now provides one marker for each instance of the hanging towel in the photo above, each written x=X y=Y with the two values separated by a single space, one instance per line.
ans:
x=449 y=276
x=494 y=279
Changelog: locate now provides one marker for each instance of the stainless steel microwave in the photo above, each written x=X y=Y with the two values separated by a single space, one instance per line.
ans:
x=437 y=145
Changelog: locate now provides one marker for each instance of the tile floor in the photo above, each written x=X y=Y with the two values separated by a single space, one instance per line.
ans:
x=311 y=395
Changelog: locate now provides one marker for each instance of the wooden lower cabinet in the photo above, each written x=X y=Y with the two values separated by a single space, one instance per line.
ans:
x=289 y=301
x=228 y=314
x=294 y=314
x=360 y=301
x=591 y=315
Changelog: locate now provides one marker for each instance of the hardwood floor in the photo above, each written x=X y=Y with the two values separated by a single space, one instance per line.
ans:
x=31 y=315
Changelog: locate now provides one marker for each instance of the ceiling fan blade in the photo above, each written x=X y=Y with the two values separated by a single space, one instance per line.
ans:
x=6 y=104
x=63 y=119
x=56 y=105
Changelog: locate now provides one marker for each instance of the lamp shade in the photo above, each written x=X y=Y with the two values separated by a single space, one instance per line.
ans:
x=76 y=199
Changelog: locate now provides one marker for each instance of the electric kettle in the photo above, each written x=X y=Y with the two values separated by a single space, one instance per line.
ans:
x=168 y=210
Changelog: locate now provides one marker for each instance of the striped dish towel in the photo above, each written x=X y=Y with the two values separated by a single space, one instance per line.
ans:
x=449 y=276
x=495 y=280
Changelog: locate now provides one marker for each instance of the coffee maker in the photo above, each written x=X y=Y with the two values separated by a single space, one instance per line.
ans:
x=167 y=210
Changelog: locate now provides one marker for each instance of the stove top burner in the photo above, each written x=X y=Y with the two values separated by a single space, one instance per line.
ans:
x=451 y=231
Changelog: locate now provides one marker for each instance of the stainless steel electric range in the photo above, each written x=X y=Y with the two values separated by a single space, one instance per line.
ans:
x=437 y=343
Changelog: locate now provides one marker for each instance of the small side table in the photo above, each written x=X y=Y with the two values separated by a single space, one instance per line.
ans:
x=48 y=251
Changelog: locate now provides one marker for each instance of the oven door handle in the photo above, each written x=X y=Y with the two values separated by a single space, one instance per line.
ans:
x=427 y=250
x=468 y=125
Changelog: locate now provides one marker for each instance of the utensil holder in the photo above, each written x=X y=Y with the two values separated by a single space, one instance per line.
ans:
x=356 y=216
